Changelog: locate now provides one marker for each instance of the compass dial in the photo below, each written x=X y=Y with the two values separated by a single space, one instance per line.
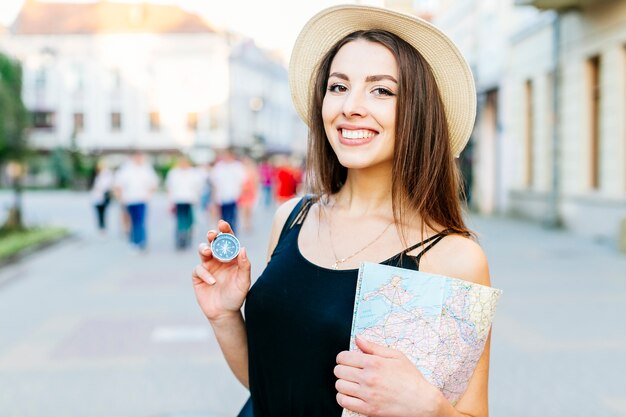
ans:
x=225 y=247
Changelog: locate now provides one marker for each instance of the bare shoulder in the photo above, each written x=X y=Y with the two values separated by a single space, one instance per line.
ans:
x=458 y=257
x=280 y=217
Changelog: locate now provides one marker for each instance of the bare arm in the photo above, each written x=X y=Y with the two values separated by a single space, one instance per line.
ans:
x=230 y=333
x=463 y=258
x=221 y=290
x=381 y=381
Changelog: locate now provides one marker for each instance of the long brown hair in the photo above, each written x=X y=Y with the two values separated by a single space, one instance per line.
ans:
x=427 y=181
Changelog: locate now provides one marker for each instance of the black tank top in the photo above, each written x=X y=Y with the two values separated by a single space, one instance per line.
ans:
x=298 y=318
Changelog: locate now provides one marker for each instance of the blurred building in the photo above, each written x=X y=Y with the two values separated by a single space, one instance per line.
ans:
x=112 y=77
x=478 y=28
x=262 y=116
x=550 y=136
x=570 y=67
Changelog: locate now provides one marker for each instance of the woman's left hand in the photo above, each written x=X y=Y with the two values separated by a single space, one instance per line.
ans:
x=380 y=381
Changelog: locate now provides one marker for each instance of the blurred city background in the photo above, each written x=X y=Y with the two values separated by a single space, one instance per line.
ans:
x=97 y=313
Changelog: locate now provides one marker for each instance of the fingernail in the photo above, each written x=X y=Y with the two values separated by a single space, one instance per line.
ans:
x=212 y=281
x=243 y=254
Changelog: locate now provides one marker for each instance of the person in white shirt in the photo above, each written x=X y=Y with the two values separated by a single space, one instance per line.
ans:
x=101 y=193
x=184 y=185
x=134 y=184
x=228 y=176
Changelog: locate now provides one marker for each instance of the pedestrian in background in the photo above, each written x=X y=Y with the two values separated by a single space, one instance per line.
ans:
x=390 y=102
x=249 y=193
x=184 y=186
x=206 y=200
x=266 y=174
x=134 y=184
x=227 y=177
x=101 y=191
x=287 y=179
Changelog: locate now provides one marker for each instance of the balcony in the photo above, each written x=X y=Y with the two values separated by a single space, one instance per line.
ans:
x=556 y=4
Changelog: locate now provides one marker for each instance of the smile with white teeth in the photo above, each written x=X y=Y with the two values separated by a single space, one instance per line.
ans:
x=356 y=134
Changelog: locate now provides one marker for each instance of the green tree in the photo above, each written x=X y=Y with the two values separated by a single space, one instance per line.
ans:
x=13 y=124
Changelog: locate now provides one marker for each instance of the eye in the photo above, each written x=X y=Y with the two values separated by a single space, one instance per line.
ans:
x=337 y=88
x=382 y=91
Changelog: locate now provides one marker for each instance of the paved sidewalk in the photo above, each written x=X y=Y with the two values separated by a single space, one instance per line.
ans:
x=559 y=339
x=89 y=328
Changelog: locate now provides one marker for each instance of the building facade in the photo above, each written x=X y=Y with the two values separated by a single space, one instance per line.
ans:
x=261 y=112
x=550 y=136
x=568 y=125
x=110 y=77
x=482 y=30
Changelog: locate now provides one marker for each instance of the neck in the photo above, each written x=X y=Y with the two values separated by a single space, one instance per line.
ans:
x=366 y=191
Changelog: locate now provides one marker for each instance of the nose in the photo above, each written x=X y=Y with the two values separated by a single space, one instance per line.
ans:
x=354 y=104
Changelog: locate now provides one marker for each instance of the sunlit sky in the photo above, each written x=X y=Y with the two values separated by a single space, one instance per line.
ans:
x=273 y=24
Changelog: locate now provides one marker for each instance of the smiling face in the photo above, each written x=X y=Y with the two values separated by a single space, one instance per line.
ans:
x=359 y=107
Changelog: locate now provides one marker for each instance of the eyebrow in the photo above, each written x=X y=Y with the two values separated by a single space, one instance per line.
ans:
x=368 y=79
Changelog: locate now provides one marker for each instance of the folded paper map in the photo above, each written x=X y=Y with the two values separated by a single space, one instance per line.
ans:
x=440 y=323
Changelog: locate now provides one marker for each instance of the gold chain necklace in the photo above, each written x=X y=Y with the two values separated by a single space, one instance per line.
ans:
x=342 y=260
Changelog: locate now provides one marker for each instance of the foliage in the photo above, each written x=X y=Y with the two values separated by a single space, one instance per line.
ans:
x=13 y=243
x=13 y=114
x=61 y=165
x=71 y=168
x=13 y=124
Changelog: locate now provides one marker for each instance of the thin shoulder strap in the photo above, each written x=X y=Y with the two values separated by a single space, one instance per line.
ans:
x=437 y=239
x=425 y=241
x=432 y=241
x=297 y=215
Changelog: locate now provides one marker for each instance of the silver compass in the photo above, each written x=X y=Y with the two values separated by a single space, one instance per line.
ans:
x=225 y=247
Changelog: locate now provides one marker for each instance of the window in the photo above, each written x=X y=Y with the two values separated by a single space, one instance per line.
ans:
x=116 y=121
x=41 y=77
x=215 y=119
x=76 y=79
x=593 y=65
x=155 y=121
x=529 y=137
x=79 y=122
x=114 y=81
x=192 y=121
x=43 y=119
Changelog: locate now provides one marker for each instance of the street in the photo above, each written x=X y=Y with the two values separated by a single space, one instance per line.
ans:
x=90 y=328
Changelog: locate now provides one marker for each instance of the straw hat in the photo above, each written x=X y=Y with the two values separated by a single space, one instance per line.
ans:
x=451 y=71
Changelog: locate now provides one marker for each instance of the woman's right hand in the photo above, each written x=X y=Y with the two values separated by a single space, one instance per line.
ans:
x=220 y=288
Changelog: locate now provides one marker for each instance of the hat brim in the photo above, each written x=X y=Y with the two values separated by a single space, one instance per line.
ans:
x=451 y=71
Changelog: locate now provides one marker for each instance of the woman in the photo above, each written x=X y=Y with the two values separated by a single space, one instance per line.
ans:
x=184 y=186
x=391 y=104
x=249 y=190
x=101 y=193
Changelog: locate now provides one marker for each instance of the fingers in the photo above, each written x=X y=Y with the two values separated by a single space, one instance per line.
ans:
x=242 y=260
x=351 y=403
x=210 y=235
x=347 y=387
x=375 y=349
x=205 y=253
x=199 y=272
x=347 y=373
x=353 y=358
x=224 y=227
